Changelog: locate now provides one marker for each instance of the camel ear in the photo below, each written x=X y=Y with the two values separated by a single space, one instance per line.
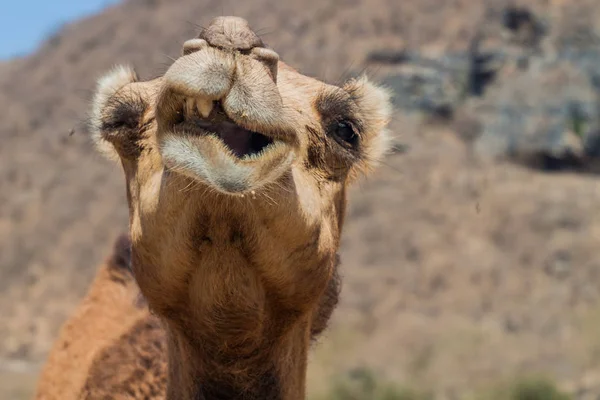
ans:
x=106 y=88
x=375 y=109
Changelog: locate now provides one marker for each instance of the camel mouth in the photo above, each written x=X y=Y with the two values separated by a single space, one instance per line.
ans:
x=213 y=120
x=203 y=142
x=241 y=142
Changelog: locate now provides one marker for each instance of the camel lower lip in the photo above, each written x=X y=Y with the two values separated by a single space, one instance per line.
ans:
x=204 y=157
x=242 y=142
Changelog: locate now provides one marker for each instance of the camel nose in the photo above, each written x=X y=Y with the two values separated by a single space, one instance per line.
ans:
x=231 y=33
x=228 y=63
x=234 y=34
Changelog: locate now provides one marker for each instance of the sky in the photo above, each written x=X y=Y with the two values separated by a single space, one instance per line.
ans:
x=25 y=24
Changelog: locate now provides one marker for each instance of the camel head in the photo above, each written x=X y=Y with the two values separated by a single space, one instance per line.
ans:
x=236 y=168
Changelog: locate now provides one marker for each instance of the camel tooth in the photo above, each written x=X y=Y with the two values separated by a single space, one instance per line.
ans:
x=204 y=107
x=189 y=108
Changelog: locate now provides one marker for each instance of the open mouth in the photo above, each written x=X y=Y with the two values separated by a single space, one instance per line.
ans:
x=211 y=119
x=202 y=142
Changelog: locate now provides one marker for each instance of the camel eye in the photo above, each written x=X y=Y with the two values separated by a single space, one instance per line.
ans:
x=344 y=131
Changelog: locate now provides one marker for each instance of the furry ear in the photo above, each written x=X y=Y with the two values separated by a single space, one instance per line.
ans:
x=106 y=87
x=375 y=109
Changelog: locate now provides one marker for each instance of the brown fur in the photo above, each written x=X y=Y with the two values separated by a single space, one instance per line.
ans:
x=133 y=367
x=236 y=255
x=110 y=308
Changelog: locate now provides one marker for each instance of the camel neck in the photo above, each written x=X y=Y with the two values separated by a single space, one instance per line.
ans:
x=273 y=370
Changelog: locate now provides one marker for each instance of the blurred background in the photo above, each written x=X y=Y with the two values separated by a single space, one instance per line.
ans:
x=470 y=259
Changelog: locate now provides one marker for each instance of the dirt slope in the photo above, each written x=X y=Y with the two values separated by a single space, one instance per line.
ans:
x=60 y=203
x=458 y=271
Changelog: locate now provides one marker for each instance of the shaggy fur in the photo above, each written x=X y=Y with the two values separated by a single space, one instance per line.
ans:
x=110 y=309
x=235 y=251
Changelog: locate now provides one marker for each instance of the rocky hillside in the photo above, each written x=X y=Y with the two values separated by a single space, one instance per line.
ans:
x=471 y=254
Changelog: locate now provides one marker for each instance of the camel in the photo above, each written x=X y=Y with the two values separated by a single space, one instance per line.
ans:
x=236 y=169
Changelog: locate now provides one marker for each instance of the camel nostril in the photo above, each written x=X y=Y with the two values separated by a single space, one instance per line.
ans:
x=194 y=45
x=269 y=58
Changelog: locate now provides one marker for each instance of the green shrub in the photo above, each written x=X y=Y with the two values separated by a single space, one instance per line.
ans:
x=527 y=389
x=362 y=384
